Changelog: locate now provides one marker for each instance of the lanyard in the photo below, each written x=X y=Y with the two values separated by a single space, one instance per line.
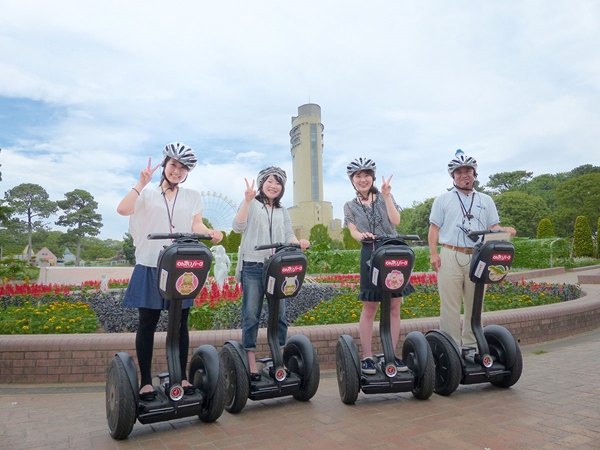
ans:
x=170 y=214
x=270 y=219
x=466 y=213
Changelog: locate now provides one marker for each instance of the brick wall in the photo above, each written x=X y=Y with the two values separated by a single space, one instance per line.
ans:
x=34 y=359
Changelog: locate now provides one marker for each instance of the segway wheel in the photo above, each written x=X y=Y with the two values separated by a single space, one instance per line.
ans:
x=515 y=371
x=212 y=407
x=447 y=364
x=237 y=383
x=310 y=380
x=120 y=401
x=413 y=354
x=347 y=376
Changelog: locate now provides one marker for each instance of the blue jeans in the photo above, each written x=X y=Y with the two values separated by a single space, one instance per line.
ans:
x=253 y=293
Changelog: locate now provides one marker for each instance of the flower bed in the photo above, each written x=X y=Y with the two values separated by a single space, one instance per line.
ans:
x=324 y=299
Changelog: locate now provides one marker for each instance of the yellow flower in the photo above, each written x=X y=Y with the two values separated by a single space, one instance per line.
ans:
x=25 y=328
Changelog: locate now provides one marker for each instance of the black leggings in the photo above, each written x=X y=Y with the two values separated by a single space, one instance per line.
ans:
x=144 y=341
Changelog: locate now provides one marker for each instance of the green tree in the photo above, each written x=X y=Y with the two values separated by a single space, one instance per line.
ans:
x=80 y=216
x=415 y=220
x=5 y=213
x=233 y=242
x=94 y=252
x=507 y=181
x=30 y=202
x=544 y=186
x=583 y=245
x=521 y=211
x=349 y=242
x=597 y=238
x=129 y=248
x=580 y=195
x=583 y=170
x=545 y=229
x=320 y=240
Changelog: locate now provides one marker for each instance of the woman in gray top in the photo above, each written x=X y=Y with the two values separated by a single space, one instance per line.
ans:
x=372 y=213
x=262 y=220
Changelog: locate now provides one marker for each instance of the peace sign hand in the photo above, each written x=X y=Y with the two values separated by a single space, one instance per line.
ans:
x=250 y=192
x=146 y=174
x=386 y=187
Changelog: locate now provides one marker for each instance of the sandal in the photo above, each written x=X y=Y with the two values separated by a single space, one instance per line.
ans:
x=148 y=396
x=189 y=388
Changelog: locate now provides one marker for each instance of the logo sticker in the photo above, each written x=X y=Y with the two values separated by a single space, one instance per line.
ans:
x=186 y=283
x=189 y=264
x=394 y=280
x=396 y=263
x=497 y=272
x=502 y=257
x=290 y=285
x=292 y=269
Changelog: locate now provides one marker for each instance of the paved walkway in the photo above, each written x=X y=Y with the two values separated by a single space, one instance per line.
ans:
x=555 y=405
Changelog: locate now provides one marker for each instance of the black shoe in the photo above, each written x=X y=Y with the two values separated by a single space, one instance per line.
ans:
x=255 y=377
x=148 y=396
x=400 y=366
x=368 y=366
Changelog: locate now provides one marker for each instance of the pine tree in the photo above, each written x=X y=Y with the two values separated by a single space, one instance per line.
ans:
x=583 y=244
x=545 y=229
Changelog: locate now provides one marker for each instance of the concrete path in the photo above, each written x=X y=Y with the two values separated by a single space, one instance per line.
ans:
x=555 y=405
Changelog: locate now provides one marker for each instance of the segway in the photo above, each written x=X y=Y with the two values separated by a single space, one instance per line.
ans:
x=499 y=360
x=294 y=373
x=391 y=266
x=182 y=270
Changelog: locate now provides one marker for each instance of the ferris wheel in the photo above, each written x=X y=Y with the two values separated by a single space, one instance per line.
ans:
x=218 y=209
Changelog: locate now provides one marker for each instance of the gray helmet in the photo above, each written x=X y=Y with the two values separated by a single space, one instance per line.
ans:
x=360 y=164
x=278 y=172
x=182 y=153
x=461 y=160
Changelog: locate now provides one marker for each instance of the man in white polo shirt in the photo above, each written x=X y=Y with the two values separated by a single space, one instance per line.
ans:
x=454 y=214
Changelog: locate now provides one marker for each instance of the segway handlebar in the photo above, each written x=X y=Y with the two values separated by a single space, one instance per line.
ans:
x=277 y=245
x=404 y=237
x=483 y=232
x=203 y=237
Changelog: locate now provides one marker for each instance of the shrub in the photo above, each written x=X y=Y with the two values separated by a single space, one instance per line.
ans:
x=545 y=229
x=583 y=244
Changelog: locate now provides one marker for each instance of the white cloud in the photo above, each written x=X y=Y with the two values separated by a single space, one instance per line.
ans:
x=515 y=84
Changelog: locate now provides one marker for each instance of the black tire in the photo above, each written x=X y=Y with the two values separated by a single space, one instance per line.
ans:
x=236 y=383
x=347 y=376
x=212 y=408
x=425 y=380
x=120 y=401
x=515 y=370
x=310 y=380
x=448 y=369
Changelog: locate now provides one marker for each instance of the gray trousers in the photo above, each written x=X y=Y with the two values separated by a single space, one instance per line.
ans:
x=455 y=287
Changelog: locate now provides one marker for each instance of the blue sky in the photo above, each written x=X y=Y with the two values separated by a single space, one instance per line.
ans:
x=90 y=90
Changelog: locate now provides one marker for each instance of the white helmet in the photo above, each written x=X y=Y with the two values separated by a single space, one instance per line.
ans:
x=278 y=172
x=360 y=164
x=182 y=153
x=461 y=160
